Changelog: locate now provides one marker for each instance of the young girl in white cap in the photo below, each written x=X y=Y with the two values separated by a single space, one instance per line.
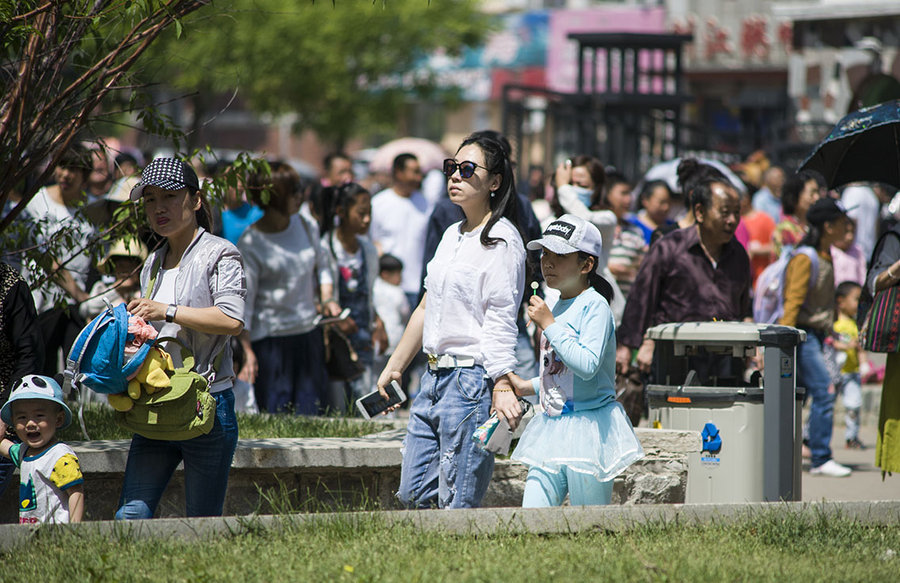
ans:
x=583 y=439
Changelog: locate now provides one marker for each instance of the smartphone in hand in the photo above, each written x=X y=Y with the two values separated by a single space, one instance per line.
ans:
x=322 y=321
x=373 y=403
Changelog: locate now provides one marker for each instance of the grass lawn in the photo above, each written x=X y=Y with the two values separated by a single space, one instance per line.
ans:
x=769 y=546
x=101 y=424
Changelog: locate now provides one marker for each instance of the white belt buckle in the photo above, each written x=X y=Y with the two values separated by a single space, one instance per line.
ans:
x=446 y=361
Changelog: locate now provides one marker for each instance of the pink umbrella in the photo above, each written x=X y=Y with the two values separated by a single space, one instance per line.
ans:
x=430 y=154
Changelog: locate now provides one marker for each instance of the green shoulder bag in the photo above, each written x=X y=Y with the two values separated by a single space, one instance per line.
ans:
x=183 y=410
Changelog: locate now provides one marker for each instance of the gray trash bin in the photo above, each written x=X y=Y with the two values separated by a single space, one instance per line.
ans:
x=751 y=428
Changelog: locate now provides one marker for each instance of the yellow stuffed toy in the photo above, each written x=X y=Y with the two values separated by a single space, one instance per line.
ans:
x=151 y=377
x=153 y=373
x=120 y=401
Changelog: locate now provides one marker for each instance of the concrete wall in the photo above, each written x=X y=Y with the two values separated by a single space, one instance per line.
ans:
x=280 y=475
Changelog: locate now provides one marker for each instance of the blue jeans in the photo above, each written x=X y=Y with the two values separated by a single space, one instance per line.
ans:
x=543 y=488
x=813 y=374
x=292 y=375
x=442 y=466
x=207 y=461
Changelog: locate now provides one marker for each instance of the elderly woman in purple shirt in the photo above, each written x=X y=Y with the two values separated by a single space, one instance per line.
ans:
x=695 y=274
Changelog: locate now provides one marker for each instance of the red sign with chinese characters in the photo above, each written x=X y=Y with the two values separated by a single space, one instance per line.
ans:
x=757 y=38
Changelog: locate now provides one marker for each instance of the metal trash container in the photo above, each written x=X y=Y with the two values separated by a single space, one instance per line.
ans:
x=751 y=428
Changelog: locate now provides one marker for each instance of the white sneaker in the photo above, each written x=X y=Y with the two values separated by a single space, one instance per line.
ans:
x=832 y=469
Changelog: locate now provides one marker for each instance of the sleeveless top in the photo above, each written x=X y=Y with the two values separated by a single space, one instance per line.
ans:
x=817 y=312
x=353 y=289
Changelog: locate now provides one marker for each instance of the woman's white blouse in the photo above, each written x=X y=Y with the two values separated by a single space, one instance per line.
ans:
x=474 y=293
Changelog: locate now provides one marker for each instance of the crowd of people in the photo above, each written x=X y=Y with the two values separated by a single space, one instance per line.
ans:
x=267 y=286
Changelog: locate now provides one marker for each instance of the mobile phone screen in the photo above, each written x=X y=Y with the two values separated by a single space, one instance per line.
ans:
x=373 y=403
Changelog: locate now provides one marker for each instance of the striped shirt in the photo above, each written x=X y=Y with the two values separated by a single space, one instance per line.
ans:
x=627 y=250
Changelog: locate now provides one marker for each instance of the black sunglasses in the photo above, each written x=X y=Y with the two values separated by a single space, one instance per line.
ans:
x=466 y=168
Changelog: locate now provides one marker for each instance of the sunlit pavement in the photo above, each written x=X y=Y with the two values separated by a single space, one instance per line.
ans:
x=865 y=482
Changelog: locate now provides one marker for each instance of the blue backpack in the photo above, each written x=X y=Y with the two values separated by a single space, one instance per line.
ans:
x=768 y=295
x=97 y=358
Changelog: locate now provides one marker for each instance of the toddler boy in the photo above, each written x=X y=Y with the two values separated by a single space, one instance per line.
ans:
x=392 y=306
x=50 y=489
x=847 y=341
x=390 y=301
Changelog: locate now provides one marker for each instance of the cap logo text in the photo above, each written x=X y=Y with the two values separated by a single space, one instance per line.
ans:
x=560 y=229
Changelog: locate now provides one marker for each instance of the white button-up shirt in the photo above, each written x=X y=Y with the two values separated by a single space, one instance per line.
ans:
x=473 y=298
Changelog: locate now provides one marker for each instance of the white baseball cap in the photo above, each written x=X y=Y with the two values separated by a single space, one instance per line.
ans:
x=569 y=234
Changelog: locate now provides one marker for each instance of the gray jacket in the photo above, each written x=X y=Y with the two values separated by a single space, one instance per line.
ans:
x=211 y=274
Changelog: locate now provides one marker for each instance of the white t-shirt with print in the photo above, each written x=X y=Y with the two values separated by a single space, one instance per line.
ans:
x=43 y=481
x=345 y=260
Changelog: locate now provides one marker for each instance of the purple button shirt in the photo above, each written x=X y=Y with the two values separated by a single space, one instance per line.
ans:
x=678 y=283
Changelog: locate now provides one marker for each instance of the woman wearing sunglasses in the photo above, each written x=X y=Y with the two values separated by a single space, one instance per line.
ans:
x=466 y=325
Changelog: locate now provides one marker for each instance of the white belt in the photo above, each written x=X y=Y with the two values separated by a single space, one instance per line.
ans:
x=445 y=361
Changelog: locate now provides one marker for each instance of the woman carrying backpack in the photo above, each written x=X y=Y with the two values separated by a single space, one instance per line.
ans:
x=809 y=305
x=193 y=288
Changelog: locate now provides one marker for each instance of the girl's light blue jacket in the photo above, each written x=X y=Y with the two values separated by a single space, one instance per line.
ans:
x=583 y=337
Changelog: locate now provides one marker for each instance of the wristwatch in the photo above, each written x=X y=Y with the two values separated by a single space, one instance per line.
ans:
x=170 y=312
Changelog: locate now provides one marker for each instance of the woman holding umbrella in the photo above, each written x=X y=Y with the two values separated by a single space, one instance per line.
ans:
x=863 y=147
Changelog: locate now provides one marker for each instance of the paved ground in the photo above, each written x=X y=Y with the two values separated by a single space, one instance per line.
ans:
x=865 y=482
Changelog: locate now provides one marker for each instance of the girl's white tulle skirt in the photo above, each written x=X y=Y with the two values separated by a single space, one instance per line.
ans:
x=600 y=442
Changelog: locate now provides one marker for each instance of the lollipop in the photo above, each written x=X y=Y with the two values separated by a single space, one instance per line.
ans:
x=534 y=287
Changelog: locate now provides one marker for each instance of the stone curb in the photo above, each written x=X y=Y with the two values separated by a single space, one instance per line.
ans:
x=561 y=520
x=342 y=471
x=379 y=450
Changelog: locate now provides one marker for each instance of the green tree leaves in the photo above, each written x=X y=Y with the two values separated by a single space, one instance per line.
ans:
x=343 y=67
